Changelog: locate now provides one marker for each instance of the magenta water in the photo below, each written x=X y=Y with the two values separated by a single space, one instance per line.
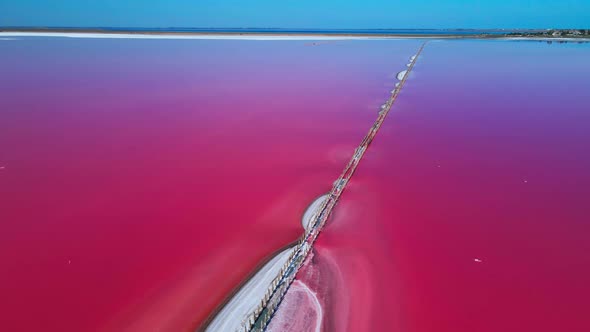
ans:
x=141 y=181
x=469 y=212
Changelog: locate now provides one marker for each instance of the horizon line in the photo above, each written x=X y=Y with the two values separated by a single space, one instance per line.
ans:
x=273 y=28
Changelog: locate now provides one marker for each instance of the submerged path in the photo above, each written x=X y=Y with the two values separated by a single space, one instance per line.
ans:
x=261 y=316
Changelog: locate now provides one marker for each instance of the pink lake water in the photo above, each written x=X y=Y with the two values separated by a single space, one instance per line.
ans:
x=469 y=212
x=141 y=181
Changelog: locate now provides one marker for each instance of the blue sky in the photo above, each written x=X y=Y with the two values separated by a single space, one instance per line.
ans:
x=319 y=14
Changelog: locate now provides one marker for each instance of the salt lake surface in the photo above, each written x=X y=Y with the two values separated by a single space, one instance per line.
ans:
x=142 y=181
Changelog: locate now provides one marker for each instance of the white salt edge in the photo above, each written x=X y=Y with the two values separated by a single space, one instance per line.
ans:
x=187 y=36
x=246 y=300
x=311 y=211
x=401 y=74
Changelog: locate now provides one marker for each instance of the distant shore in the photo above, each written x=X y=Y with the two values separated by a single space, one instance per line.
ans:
x=223 y=34
x=246 y=34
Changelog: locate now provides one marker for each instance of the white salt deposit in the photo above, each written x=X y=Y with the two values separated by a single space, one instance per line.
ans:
x=313 y=208
x=239 y=308
x=283 y=320
x=184 y=36
x=401 y=74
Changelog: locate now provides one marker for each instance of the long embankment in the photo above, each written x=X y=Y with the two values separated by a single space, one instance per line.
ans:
x=262 y=315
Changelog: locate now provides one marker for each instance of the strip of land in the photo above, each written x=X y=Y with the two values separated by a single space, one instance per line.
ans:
x=565 y=35
x=242 y=306
x=233 y=314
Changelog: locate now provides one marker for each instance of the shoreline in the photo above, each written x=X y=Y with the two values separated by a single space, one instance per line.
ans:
x=218 y=35
x=68 y=33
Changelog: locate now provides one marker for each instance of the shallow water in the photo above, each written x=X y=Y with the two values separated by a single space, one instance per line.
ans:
x=141 y=181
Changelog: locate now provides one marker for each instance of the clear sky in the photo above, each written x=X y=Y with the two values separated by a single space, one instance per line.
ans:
x=319 y=14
